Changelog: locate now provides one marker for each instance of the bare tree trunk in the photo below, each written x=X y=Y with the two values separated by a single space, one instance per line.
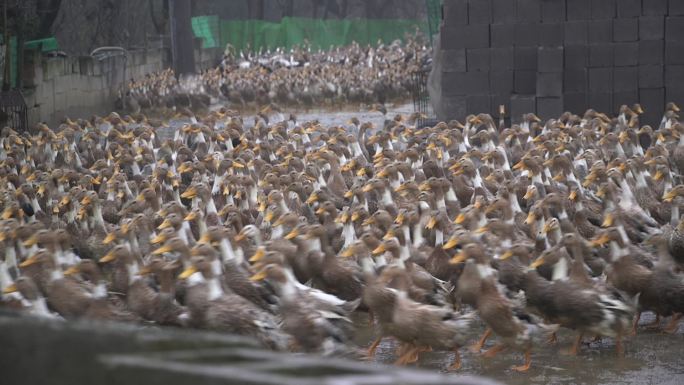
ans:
x=182 y=40
x=47 y=11
x=344 y=9
x=256 y=9
x=288 y=10
x=314 y=9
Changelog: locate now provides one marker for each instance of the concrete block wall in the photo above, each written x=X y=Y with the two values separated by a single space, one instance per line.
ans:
x=550 y=56
x=81 y=86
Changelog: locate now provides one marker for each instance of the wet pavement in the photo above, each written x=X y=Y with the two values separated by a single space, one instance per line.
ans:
x=651 y=357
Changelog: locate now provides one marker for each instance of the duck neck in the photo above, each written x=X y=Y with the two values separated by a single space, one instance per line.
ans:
x=349 y=234
x=39 y=307
x=277 y=232
x=97 y=217
x=211 y=207
x=560 y=269
x=514 y=204
x=214 y=289
x=5 y=277
x=628 y=195
x=418 y=232
x=387 y=198
x=11 y=256
x=315 y=244
x=133 y=269
x=439 y=236
x=674 y=215
x=216 y=186
x=100 y=290
x=288 y=291
x=227 y=251
x=616 y=251
x=56 y=273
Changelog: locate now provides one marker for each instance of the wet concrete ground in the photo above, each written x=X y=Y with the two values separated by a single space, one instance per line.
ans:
x=651 y=357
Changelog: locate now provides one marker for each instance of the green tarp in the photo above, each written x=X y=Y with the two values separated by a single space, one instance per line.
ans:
x=434 y=13
x=290 y=31
x=45 y=45
x=207 y=28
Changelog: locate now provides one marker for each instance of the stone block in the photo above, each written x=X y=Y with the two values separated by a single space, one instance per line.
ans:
x=600 y=80
x=625 y=29
x=601 y=55
x=575 y=32
x=651 y=52
x=675 y=95
x=501 y=82
x=477 y=59
x=602 y=9
x=578 y=10
x=503 y=35
x=628 y=97
x=674 y=28
x=454 y=60
x=529 y=11
x=521 y=105
x=600 y=31
x=575 y=80
x=456 y=11
x=549 y=108
x=553 y=11
x=479 y=12
x=654 y=7
x=501 y=59
x=674 y=52
x=550 y=34
x=601 y=101
x=625 y=54
x=526 y=58
x=576 y=56
x=465 y=83
x=465 y=36
x=498 y=100
x=550 y=59
x=653 y=101
x=455 y=107
x=526 y=34
x=676 y=8
x=524 y=81
x=628 y=8
x=674 y=76
x=504 y=11
x=651 y=76
x=575 y=102
x=549 y=84
x=651 y=27
x=625 y=79
x=478 y=104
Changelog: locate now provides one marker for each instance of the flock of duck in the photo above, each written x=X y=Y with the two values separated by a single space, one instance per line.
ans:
x=299 y=77
x=280 y=230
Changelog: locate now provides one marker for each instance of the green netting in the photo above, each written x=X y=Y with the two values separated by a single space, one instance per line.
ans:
x=45 y=45
x=434 y=13
x=13 y=61
x=206 y=28
x=257 y=34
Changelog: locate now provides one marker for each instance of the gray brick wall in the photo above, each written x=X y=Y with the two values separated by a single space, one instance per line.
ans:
x=550 y=56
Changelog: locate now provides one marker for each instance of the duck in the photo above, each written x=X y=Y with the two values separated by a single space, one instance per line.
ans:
x=312 y=329
x=228 y=312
